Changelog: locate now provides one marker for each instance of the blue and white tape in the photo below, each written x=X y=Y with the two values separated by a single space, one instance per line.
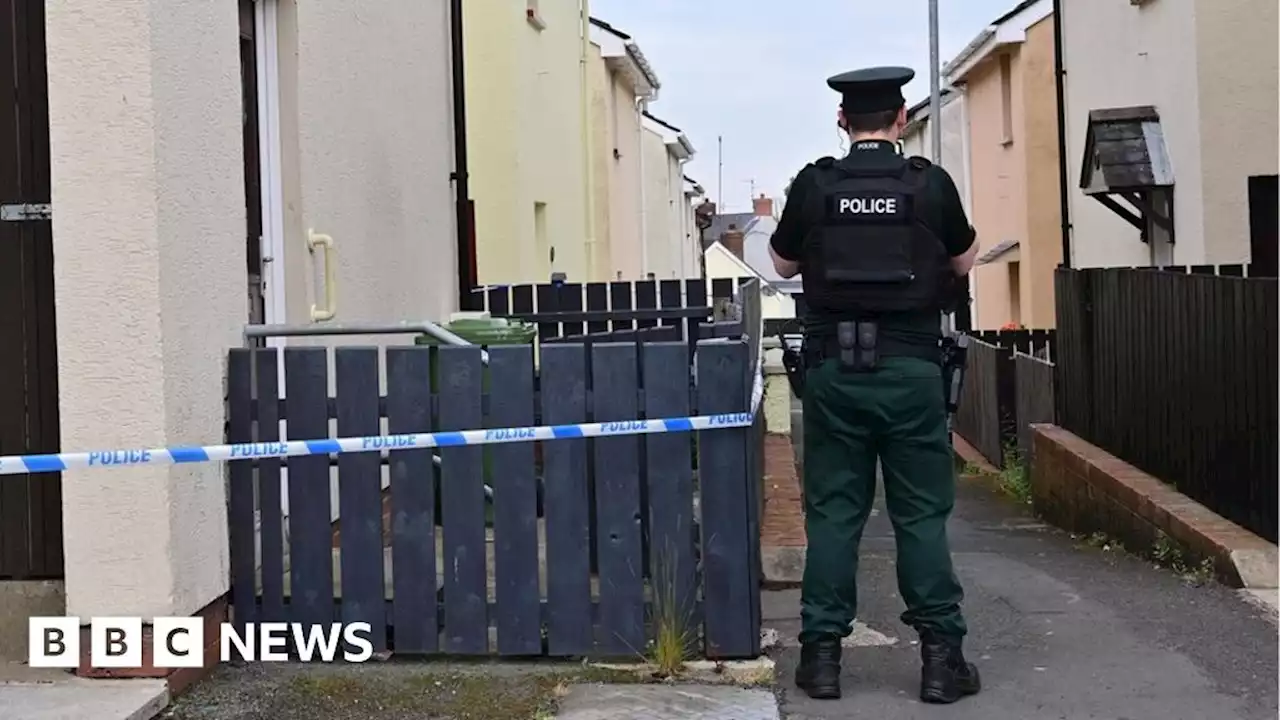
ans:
x=25 y=464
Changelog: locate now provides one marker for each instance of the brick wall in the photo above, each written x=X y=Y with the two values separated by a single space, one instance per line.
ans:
x=1082 y=488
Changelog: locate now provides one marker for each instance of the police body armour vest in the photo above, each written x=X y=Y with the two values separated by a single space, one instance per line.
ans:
x=869 y=253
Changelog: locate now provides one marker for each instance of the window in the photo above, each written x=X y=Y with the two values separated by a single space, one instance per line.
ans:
x=1006 y=99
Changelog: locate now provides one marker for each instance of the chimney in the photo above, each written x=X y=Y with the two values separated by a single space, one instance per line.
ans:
x=763 y=206
x=733 y=239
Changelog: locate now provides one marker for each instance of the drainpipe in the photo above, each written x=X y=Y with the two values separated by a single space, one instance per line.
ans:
x=1059 y=75
x=588 y=176
x=641 y=106
x=465 y=242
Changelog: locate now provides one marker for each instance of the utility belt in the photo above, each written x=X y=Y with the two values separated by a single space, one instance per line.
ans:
x=860 y=345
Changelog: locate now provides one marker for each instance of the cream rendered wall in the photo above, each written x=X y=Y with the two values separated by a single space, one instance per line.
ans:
x=666 y=210
x=366 y=122
x=656 y=221
x=148 y=230
x=625 y=183
x=602 y=133
x=723 y=264
x=1119 y=55
x=953 y=160
x=524 y=136
x=675 y=218
x=1239 y=62
x=693 y=242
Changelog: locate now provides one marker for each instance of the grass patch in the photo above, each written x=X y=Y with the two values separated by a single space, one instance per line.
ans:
x=386 y=692
x=1015 y=479
x=672 y=641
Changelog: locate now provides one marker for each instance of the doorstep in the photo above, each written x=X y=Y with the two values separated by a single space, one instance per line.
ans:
x=35 y=694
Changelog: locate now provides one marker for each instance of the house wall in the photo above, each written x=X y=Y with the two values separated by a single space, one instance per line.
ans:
x=998 y=192
x=149 y=226
x=625 y=239
x=663 y=260
x=602 y=133
x=666 y=211
x=1041 y=250
x=151 y=272
x=1014 y=182
x=679 y=230
x=722 y=264
x=1120 y=55
x=377 y=181
x=519 y=159
x=1239 y=61
x=954 y=142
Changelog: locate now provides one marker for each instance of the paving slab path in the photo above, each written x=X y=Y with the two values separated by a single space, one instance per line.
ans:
x=1060 y=630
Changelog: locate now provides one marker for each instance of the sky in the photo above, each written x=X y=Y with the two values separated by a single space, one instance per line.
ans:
x=754 y=73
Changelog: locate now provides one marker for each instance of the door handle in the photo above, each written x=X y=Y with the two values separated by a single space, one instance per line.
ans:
x=325 y=244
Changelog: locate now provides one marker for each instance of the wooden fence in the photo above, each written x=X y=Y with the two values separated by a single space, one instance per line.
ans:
x=985 y=417
x=646 y=310
x=1033 y=398
x=1039 y=343
x=1176 y=373
x=675 y=515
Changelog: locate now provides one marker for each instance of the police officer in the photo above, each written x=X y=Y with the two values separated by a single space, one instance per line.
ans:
x=879 y=239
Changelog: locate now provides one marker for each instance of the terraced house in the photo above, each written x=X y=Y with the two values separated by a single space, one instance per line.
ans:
x=1169 y=110
x=166 y=178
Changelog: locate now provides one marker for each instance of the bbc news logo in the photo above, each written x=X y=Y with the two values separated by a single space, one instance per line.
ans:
x=179 y=642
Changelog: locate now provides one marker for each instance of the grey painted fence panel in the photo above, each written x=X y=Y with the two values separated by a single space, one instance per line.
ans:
x=617 y=477
x=515 y=505
x=360 y=494
x=567 y=509
x=413 y=479
x=270 y=508
x=722 y=467
x=1034 y=398
x=648 y=491
x=240 y=493
x=310 y=529
x=670 y=479
x=466 y=624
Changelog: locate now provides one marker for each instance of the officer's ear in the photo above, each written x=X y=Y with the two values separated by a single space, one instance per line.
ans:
x=901 y=121
x=840 y=121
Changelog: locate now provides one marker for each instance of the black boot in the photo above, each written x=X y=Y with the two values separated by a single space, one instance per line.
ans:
x=945 y=676
x=819 y=671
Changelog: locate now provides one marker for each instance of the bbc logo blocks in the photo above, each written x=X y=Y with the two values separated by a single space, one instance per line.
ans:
x=54 y=642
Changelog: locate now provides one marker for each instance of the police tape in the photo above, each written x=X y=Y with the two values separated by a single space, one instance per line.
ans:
x=24 y=464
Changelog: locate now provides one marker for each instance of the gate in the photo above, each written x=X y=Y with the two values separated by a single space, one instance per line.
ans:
x=580 y=547
x=30 y=508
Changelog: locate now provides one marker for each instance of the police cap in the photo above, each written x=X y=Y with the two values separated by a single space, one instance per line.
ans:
x=871 y=89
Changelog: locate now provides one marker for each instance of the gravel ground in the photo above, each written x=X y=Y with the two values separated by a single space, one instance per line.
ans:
x=382 y=691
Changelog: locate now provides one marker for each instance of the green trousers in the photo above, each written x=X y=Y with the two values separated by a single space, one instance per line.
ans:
x=895 y=413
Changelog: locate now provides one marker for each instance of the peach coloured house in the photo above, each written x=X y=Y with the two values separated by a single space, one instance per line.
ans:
x=1006 y=76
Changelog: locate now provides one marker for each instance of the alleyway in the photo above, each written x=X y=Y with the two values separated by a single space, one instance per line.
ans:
x=1059 y=630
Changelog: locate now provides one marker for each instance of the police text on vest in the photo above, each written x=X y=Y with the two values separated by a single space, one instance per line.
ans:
x=868 y=206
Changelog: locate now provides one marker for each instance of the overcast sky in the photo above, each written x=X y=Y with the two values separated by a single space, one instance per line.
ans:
x=755 y=72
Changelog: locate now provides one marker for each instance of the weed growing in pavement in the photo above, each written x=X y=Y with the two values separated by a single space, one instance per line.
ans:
x=672 y=639
x=1014 y=479
x=1164 y=553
